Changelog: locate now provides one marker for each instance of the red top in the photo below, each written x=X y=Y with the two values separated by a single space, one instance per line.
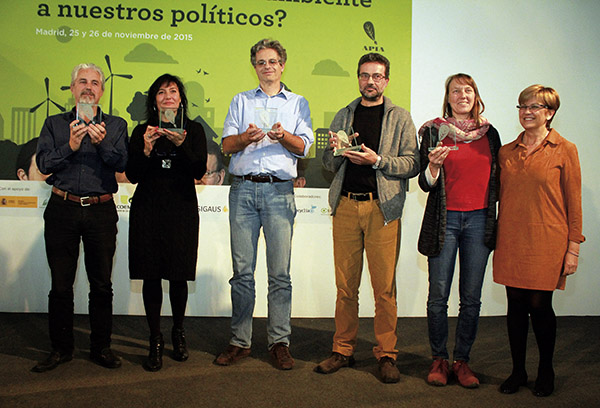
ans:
x=467 y=171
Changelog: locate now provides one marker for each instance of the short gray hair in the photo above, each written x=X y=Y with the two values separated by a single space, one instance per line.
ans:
x=89 y=65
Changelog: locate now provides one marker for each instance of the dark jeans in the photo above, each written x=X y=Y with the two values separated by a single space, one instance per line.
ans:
x=66 y=224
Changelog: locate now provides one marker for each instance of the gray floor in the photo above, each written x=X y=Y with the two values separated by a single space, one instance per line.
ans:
x=255 y=383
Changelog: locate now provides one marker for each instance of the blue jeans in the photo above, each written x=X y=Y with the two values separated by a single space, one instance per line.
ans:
x=464 y=234
x=272 y=207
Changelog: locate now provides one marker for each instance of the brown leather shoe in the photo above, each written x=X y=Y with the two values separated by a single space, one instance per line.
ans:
x=388 y=371
x=232 y=354
x=465 y=376
x=334 y=363
x=282 y=359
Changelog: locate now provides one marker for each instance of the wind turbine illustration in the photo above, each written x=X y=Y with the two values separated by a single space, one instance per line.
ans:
x=47 y=101
x=110 y=78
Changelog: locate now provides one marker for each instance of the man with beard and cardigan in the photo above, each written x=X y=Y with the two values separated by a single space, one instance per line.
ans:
x=366 y=198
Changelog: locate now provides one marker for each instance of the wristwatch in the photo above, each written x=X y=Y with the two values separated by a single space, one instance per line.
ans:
x=377 y=163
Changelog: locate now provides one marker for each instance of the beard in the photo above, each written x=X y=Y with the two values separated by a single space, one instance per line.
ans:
x=87 y=97
x=371 y=97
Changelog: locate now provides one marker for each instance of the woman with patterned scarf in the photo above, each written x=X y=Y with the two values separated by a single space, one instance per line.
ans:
x=459 y=170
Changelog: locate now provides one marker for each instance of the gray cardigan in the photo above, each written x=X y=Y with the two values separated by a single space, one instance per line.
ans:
x=399 y=158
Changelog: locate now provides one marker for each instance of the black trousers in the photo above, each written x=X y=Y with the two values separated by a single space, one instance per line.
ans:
x=67 y=224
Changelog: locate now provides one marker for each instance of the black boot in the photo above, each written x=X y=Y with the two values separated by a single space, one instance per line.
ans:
x=154 y=361
x=180 y=352
x=512 y=383
x=544 y=384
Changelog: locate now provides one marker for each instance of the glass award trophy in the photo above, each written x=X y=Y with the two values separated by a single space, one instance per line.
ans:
x=172 y=116
x=444 y=131
x=345 y=142
x=85 y=112
x=265 y=118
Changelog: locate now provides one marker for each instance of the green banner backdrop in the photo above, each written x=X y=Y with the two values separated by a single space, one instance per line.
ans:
x=207 y=44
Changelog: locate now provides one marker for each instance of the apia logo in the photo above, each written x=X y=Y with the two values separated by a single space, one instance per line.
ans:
x=370 y=31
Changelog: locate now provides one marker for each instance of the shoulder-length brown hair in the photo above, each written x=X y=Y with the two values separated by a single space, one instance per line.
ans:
x=478 y=106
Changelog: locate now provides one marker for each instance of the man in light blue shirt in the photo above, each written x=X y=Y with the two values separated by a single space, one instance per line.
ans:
x=266 y=130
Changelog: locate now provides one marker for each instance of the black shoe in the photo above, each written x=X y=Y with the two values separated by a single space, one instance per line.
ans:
x=154 y=361
x=544 y=384
x=52 y=361
x=512 y=383
x=105 y=358
x=180 y=352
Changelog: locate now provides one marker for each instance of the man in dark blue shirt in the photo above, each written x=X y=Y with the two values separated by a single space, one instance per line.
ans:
x=81 y=150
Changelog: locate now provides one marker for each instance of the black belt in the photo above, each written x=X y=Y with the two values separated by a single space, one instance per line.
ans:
x=360 y=196
x=84 y=201
x=267 y=178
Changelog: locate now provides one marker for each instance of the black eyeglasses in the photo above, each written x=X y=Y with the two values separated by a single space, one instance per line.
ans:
x=533 y=108
x=376 y=77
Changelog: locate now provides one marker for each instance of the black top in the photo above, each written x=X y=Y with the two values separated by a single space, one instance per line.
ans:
x=91 y=169
x=163 y=219
x=367 y=122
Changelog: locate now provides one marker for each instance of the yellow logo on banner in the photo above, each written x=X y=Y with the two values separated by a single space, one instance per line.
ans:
x=18 y=202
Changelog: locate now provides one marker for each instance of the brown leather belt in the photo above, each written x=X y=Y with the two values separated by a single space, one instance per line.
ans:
x=262 y=178
x=360 y=196
x=84 y=201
